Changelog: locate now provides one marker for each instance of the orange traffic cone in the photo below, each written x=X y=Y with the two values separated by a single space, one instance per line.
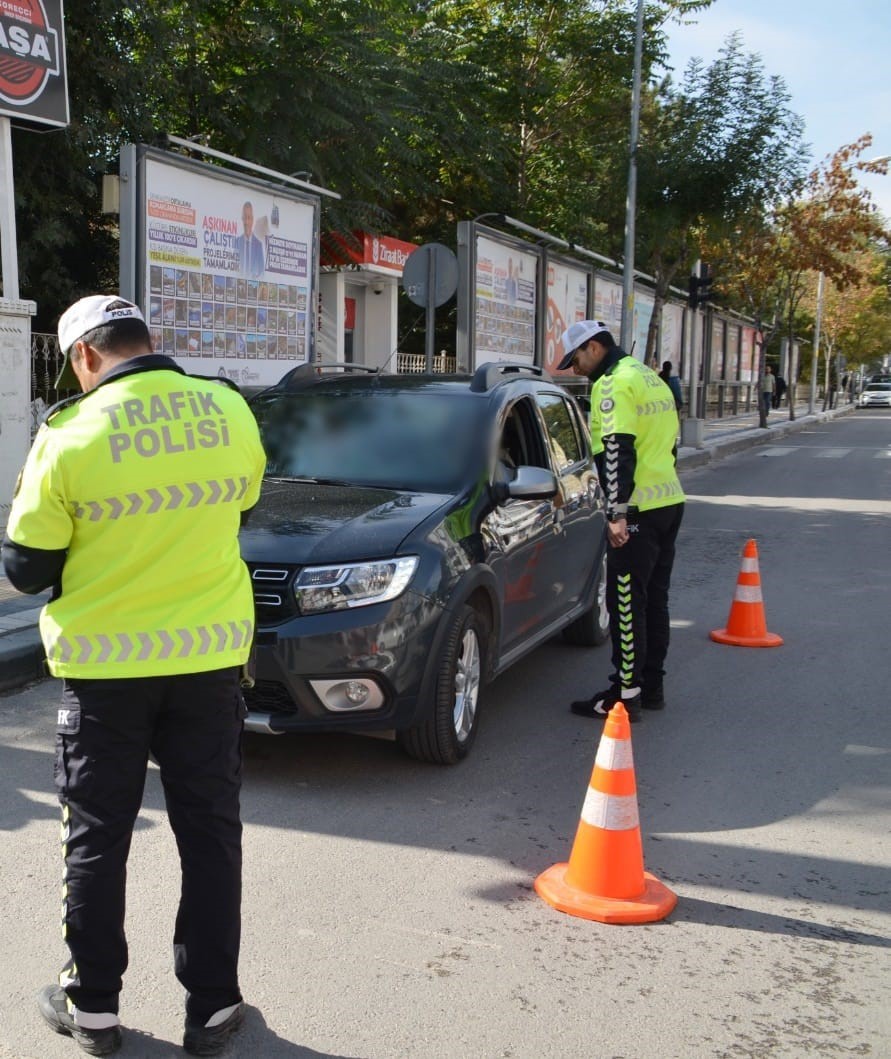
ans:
x=746 y=625
x=605 y=878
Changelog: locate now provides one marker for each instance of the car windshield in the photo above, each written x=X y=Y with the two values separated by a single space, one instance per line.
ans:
x=873 y=386
x=429 y=442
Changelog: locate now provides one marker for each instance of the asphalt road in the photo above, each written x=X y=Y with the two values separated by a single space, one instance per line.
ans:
x=389 y=909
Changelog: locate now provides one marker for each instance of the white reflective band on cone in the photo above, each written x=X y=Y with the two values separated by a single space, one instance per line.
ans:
x=748 y=594
x=614 y=754
x=611 y=812
x=749 y=566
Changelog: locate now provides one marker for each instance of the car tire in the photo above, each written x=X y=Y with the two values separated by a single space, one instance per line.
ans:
x=592 y=628
x=450 y=729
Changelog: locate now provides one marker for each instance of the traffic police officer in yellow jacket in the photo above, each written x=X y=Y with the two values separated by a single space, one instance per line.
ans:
x=634 y=428
x=129 y=505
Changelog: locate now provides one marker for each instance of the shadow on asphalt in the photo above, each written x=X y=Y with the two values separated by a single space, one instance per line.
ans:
x=255 y=1038
x=716 y=914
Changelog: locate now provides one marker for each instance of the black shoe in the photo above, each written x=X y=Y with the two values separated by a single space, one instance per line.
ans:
x=600 y=704
x=652 y=699
x=201 y=1039
x=53 y=1004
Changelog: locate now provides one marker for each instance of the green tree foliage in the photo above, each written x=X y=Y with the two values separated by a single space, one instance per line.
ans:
x=721 y=146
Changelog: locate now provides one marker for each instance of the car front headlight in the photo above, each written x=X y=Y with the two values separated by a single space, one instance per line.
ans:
x=321 y=588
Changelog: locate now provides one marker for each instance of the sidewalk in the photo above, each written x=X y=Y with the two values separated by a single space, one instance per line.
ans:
x=21 y=653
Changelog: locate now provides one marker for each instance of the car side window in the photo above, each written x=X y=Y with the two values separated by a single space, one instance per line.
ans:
x=562 y=435
x=520 y=442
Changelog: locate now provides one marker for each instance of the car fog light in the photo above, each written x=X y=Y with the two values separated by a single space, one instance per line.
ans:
x=356 y=692
x=341 y=696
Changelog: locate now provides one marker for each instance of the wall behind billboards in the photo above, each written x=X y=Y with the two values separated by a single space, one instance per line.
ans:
x=567 y=301
x=226 y=268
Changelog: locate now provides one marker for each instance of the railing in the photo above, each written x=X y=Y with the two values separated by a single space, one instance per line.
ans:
x=416 y=364
x=46 y=363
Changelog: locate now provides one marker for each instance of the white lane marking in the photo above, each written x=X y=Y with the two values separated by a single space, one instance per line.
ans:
x=832 y=454
x=833 y=505
x=778 y=450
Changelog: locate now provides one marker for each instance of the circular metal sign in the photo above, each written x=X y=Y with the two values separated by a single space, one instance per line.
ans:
x=430 y=275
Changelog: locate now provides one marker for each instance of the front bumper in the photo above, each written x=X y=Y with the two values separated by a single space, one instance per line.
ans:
x=386 y=646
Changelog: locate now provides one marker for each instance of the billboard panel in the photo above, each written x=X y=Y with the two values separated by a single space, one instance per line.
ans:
x=643 y=313
x=33 y=78
x=716 y=370
x=748 y=359
x=671 y=337
x=227 y=269
x=567 y=301
x=608 y=303
x=505 y=292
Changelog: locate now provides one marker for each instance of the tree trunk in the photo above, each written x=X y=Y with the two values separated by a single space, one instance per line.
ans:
x=762 y=360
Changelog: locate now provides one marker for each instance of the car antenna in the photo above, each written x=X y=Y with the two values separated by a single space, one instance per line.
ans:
x=403 y=340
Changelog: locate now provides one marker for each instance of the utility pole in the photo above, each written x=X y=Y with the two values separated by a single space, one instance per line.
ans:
x=631 y=198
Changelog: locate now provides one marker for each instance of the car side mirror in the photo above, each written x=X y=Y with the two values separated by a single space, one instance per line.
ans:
x=532 y=483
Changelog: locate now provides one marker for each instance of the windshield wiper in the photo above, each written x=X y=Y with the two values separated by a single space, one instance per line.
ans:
x=307 y=479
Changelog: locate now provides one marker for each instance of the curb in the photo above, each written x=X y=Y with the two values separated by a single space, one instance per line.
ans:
x=21 y=659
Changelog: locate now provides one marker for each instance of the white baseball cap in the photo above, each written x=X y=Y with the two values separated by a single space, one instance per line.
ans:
x=576 y=335
x=86 y=314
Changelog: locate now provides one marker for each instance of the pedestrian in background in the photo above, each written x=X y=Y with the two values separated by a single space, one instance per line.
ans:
x=633 y=438
x=768 y=386
x=129 y=505
x=779 y=390
x=673 y=383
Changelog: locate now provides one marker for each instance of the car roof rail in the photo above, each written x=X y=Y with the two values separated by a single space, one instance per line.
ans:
x=492 y=373
x=309 y=374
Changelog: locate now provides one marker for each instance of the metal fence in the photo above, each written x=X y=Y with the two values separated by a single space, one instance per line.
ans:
x=46 y=363
x=416 y=364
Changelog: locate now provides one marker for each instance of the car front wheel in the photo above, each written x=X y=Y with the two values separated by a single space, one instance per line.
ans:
x=448 y=733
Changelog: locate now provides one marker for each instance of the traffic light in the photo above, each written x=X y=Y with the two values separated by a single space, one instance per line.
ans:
x=705 y=284
x=699 y=288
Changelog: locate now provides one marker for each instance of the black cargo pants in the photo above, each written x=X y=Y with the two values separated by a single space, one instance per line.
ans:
x=637 y=583
x=192 y=724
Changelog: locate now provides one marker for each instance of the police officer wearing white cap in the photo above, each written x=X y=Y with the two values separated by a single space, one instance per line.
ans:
x=634 y=428
x=129 y=505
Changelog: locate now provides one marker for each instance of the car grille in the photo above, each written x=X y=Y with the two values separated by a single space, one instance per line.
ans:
x=273 y=594
x=269 y=696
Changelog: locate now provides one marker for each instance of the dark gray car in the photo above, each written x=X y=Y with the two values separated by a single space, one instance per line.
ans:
x=415 y=536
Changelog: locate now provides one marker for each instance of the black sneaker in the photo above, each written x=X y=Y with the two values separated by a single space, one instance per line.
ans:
x=600 y=704
x=53 y=1004
x=202 y=1038
x=652 y=698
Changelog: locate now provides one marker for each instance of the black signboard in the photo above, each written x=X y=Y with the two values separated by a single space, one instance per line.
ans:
x=33 y=81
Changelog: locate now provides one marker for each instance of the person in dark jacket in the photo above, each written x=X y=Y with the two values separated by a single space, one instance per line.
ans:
x=673 y=383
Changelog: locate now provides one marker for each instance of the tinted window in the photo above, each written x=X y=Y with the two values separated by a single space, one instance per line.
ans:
x=562 y=437
x=426 y=442
x=873 y=386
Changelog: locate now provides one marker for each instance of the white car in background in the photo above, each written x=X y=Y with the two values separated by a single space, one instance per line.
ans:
x=875 y=395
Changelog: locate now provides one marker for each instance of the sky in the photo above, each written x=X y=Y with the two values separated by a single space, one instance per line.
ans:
x=833 y=57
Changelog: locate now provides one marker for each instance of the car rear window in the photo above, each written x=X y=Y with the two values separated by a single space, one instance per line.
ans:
x=426 y=442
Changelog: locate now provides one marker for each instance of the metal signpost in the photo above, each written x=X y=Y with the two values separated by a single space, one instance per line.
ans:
x=430 y=278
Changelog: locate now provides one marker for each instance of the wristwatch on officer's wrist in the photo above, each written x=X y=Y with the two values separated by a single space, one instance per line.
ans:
x=616 y=512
